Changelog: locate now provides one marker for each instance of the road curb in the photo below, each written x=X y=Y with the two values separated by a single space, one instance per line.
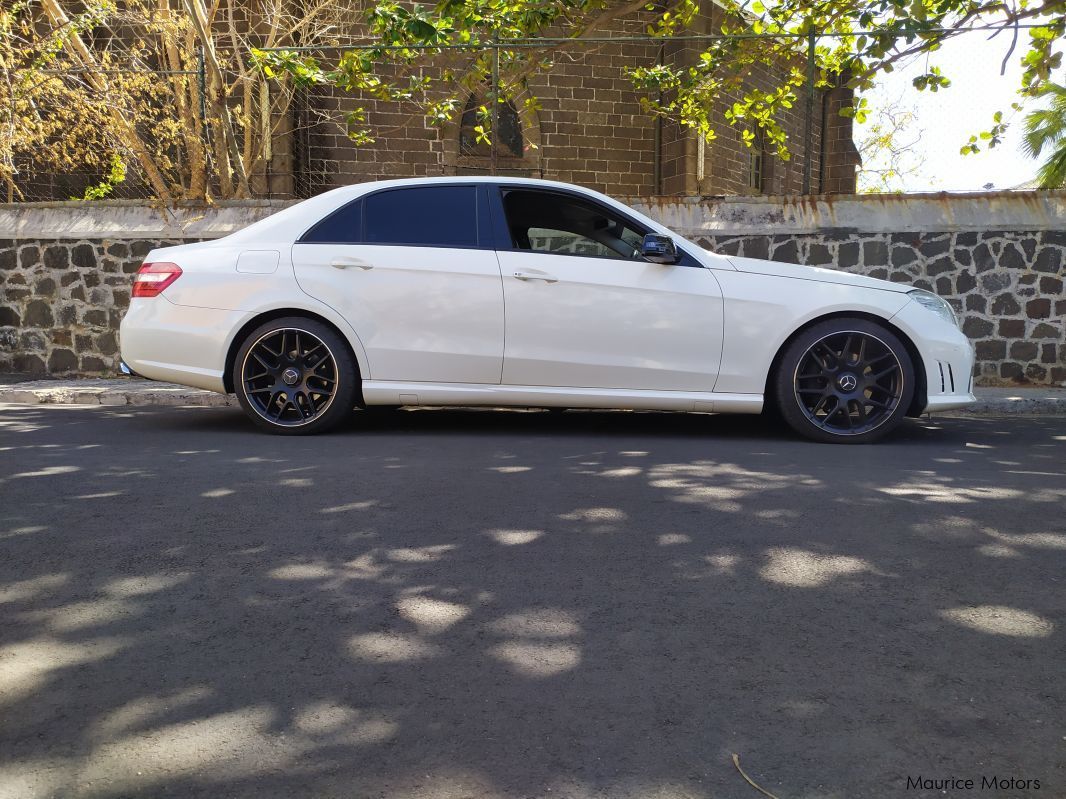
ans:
x=138 y=393
x=148 y=393
x=1014 y=406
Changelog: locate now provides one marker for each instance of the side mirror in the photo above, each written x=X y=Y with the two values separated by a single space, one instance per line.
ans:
x=658 y=249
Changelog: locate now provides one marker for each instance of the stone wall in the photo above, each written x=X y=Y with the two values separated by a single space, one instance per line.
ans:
x=65 y=273
x=65 y=268
x=63 y=302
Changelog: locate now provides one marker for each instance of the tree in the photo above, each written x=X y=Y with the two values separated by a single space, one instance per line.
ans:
x=163 y=89
x=190 y=96
x=887 y=144
x=858 y=39
x=1045 y=129
x=40 y=113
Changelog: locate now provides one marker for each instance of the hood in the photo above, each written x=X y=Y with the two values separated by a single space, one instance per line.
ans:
x=778 y=269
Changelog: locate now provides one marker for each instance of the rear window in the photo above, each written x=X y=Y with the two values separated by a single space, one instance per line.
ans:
x=343 y=226
x=425 y=216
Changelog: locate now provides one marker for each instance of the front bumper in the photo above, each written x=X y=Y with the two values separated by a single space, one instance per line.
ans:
x=949 y=381
x=947 y=354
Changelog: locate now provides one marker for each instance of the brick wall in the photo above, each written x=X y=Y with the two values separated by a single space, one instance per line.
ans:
x=590 y=130
x=840 y=156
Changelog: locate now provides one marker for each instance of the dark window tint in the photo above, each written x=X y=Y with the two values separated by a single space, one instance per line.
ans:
x=343 y=226
x=566 y=225
x=433 y=216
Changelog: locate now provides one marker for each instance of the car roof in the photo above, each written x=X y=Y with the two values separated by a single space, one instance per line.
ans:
x=372 y=185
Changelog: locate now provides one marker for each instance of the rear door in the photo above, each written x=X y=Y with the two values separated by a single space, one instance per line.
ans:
x=413 y=271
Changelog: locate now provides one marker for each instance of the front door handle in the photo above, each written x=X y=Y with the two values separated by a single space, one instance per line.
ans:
x=536 y=276
x=345 y=263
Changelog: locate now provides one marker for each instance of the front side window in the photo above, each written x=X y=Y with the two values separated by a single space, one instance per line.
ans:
x=424 y=216
x=541 y=221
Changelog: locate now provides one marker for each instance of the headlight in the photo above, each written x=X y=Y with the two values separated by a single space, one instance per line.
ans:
x=937 y=305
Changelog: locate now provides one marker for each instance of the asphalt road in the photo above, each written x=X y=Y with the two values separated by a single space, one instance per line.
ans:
x=485 y=604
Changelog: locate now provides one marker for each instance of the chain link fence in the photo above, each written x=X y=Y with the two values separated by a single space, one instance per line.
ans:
x=584 y=122
x=34 y=180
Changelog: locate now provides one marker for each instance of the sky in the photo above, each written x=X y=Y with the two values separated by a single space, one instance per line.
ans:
x=944 y=120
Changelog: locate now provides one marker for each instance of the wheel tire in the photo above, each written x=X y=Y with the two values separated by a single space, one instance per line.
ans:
x=844 y=381
x=295 y=376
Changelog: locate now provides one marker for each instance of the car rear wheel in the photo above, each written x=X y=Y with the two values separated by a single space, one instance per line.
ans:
x=295 y=376
x=846 y=381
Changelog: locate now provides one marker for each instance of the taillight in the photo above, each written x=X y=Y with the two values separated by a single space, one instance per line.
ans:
x=151 y=279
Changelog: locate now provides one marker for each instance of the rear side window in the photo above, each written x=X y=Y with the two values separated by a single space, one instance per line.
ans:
x=427 y=216
x=343 y=226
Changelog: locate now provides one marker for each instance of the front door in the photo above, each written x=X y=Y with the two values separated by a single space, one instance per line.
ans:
x=405 y=267
x=583 y=309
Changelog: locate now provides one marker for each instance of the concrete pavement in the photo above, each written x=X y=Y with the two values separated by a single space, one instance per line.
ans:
x=449 y=604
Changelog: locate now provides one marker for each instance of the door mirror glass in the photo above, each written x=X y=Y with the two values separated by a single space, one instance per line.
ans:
x=658 y=249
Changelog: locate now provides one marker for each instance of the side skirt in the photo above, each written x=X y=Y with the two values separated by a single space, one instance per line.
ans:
x=385 y=392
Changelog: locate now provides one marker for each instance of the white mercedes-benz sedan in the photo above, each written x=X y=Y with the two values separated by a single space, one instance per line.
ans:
x=517 y=292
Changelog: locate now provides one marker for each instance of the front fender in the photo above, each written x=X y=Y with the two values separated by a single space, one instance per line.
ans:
x=763 y=311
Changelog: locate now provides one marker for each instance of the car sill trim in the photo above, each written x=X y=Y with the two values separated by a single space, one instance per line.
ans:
x=386 y=392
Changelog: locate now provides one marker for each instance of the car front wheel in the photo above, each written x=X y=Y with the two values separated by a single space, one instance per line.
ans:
x=847 y=381
x=295 y=376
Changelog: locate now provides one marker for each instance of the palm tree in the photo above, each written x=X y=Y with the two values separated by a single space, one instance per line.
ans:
x=1046 y=128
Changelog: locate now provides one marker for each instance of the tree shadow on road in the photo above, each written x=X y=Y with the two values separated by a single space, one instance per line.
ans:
x=482 y=604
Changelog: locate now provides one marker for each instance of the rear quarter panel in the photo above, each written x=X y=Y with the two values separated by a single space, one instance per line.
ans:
x=211 y=280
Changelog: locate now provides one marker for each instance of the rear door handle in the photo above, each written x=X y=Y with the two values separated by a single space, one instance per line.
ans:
x=536 y=276
x=345 y=263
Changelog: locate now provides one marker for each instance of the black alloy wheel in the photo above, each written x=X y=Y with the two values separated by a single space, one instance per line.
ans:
x=295 y=376
x=845 y=380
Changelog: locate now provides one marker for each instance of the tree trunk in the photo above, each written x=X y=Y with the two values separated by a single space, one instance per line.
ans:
x=232 y=148
x=189 y=114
